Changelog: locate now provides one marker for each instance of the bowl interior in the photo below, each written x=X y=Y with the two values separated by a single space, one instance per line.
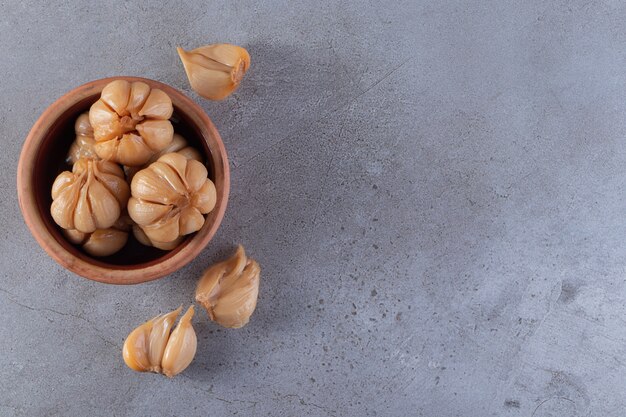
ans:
x=50 y=162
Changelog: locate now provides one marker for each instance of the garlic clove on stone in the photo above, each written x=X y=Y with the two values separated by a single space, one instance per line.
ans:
x=181 y=346
x=215 y=71
x=136 y=348
x=228 y=290
x=159 y=336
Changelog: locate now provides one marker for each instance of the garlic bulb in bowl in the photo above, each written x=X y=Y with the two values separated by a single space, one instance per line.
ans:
x=90 y=197
x=131 y=122
x=170 y=197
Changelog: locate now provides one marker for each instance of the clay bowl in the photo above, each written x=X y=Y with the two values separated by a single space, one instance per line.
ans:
x=43 y=158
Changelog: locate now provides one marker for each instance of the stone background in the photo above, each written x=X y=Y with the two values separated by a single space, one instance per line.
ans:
x=434 y=190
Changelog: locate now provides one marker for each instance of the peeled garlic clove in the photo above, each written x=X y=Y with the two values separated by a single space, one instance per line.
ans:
x=136 y=348
x=181 y=346
x=215 y=71
x=159 y=337
x=228 y=290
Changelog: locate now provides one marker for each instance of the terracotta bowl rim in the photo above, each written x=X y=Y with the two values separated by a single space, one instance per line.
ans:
x=124 y=274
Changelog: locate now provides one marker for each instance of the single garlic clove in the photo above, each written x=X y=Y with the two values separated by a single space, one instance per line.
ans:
x=116 y=186
x=83 y=220
x=159 y=336
x=143 y=212
x=105 y=242
x=196 y=175
x=136 y=348
x=228 y=290
x=106 y=150
x=225 y=53
x=104 y=207
x=132 y=150
x=116 y=95
x=62 y=181
x=106 y=119
x=215 y=71
x=75 y=237
x=139 y=92
x=205 y=198
x=157 y=106
x=166 y=230
x=141 y=236
x=169 y=176
x=181 y=346
x=156 y=133
x=82 y=127
x=149 y=186
x=235 y=307
x=174 y=161
x=145 y=240
x=82 y=147
x=191 y=220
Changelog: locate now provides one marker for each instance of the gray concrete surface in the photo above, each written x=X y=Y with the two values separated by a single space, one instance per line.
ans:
x=435 y=192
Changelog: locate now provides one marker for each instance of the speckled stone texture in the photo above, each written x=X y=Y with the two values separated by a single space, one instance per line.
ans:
x=434 y=190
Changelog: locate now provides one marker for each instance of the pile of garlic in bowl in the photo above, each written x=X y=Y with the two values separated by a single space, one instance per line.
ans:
x=130 y=173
